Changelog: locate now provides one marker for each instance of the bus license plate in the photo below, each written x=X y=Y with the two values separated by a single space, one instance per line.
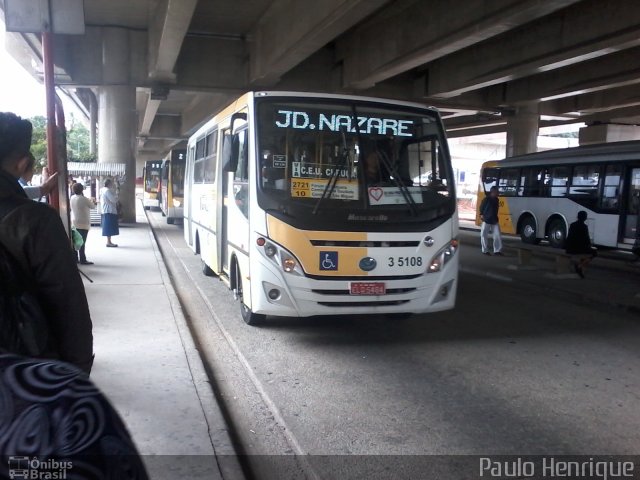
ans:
x=367 y=288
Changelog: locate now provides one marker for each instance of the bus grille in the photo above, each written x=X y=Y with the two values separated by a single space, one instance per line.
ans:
x=363 y=304
x=390 y=291
x=364 y=244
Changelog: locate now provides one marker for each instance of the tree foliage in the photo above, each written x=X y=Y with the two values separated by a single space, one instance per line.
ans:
x=77 y=142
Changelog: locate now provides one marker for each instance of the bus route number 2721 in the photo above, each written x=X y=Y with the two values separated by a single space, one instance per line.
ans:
x=300 y=189
x=405 y=262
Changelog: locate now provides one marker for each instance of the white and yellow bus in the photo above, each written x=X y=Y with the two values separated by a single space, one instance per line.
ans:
x=314 y=204
x=151 y=179
x=542 y=193
x=172 y=185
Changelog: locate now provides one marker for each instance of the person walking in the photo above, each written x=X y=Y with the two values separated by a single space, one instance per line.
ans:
x=109 y=202
x=578 y=244
x=81 y=218
x=490 y=226
x=32 y=234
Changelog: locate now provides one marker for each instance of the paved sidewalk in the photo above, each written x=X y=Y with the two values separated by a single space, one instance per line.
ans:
x=146 y=362
x=610 y=280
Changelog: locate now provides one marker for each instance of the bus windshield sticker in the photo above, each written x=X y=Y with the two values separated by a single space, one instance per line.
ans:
x=279 y=161
x=313 y=188
x=312 y=170
x=393 y=195
x=336 y=123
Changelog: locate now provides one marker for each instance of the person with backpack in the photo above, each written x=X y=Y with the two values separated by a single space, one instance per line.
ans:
x=489 y=215
x=42 y=299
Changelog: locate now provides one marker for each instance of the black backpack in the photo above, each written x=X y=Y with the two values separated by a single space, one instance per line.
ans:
x=23 y=326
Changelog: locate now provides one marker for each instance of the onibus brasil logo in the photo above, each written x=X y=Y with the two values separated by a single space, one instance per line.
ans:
x=24 y=467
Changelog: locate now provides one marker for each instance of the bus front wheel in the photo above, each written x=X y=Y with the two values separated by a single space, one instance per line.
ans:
x=557 y=233
x=528 y=231
x=248 y=316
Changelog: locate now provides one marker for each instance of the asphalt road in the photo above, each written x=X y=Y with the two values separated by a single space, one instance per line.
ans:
x=510 y=371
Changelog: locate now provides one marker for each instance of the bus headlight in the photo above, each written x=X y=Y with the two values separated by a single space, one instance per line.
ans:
x=280 y=256
x=443 y=256
x=177 y=203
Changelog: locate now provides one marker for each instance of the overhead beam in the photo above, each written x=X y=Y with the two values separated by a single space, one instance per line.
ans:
x=630 y=115
x=166 y=36
x=292 y=30
x=149 y=115
x=417 y=32
x=590 y=29
x=600 y=101
x=612 y=71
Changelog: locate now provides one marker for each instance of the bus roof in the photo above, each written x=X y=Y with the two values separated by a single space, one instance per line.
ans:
x=602 y=152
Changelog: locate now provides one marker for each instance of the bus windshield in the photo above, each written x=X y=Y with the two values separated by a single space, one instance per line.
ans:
x=177 y=177
x=352 y=163
x=152 y=177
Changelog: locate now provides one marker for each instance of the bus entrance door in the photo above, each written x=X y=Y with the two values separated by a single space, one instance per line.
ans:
x=632 y=218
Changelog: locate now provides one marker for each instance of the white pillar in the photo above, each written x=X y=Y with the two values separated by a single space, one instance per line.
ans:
x=522 y=130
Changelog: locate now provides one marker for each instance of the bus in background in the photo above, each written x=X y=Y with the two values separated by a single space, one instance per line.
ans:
x=172 y=185
x=316 y=204
x=151 y=179
x=542 y=193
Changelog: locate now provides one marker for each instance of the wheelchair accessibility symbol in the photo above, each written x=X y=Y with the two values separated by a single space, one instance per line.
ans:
x=328 y=260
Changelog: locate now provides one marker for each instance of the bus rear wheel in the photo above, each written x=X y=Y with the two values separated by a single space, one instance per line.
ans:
x=528 y=231
x=557 y=233
x=248 y=316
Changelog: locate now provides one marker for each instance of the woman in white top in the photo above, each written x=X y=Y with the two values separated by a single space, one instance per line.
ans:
x=109 y=202
x=81 y=217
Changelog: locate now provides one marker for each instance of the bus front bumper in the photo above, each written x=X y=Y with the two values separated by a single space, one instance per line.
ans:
x=281 y=294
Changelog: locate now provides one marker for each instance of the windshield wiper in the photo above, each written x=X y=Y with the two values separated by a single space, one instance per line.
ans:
x=393 y=173
x=333 y=180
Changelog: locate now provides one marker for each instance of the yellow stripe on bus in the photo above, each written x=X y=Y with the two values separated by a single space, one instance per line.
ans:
x=298 y=242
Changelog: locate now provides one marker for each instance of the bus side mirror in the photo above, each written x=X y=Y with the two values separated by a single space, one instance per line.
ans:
x=230 y=150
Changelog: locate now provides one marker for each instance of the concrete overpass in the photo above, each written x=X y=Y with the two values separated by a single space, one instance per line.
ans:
x=151 y=71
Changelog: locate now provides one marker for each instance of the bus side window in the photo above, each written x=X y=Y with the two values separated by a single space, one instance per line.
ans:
x=531 y=180
x=508 y=183
x=489 y=178
x=198 y=166
x=211 y=161
x=611 y=189
x=558 y=179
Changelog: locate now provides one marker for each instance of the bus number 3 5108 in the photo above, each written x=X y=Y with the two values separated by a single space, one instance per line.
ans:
x=405 y=262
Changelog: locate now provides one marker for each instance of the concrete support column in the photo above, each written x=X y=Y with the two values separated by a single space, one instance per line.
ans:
x=117 y=114
x=522 y=130
x=116 y=117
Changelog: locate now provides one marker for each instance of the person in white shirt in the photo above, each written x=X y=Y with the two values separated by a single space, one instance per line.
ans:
x=37 y=192
x=81 y=218
x=109 y=202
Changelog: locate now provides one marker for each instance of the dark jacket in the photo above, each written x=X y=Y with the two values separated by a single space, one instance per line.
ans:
x=578 y=241
x=33 y=233
x=489 y=209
